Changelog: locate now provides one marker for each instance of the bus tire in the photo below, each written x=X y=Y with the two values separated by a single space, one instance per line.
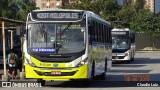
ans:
x=106 y=65
x=128 y=61
x=93 y=69
x=86 y=82
x=132 y=59
x=41 y=81
x=103 y=75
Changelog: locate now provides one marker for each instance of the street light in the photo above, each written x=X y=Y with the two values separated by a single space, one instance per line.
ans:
x=57 y=4
x=48 y=4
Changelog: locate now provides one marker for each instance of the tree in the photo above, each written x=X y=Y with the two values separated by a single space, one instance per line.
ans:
x=153 y=27
x=147 y=22
x=139 y=5
x=104 y=8
x=17 y=9
x=1 y=6
x=84 y=5
x=126 y=13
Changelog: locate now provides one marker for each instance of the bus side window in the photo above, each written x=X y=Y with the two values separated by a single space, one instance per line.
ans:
x=109 y=39
x=91 y=32
x=133 y=38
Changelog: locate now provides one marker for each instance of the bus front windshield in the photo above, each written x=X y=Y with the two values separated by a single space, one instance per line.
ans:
x=120 y=42
x=56 y=38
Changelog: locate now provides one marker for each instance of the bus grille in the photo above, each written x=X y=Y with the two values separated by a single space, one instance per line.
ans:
x=119 y=57
x=49 y=73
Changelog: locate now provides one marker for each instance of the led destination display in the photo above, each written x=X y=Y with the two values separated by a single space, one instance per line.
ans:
x=119 y=33
x=56 y=15
x=125 y=33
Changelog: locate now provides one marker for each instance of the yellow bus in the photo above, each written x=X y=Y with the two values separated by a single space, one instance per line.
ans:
x=66 y=45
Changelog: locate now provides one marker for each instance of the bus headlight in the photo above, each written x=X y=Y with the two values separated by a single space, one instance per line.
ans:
x=82 y=62
x=127 y=54
x=30 y=63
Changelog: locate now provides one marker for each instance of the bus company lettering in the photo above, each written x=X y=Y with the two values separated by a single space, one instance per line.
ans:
x=45 y=64
x=58 y=15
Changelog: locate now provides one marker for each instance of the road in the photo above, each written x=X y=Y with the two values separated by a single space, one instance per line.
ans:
x=146 y=63
x=146 y=67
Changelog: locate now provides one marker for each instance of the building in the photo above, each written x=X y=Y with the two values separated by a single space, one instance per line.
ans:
x=53 y=4
x=149 y=4
x=152 y=5
x=157 y=7
x=48 y=4
x=121 y=2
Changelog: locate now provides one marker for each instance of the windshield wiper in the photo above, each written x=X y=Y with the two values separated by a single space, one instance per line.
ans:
x=44 y=32
x=57 y=45
x=66 y=28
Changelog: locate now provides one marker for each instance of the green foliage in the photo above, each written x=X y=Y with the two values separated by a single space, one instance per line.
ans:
x=126 y=13
x=147 y=22
x=109 y=9
x=17 y=9
x=139 y=4
x=132 y=15
x=84 y=5
x=105 y=8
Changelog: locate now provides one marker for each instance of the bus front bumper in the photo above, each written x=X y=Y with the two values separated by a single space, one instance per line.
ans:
x=56 y=74
x=121 y=58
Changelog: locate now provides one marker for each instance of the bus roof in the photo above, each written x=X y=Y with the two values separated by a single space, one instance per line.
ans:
x=89 y=13
x=59 y=10
x=76 y=10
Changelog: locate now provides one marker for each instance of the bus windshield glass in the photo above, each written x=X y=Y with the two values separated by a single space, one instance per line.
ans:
x=120 y=42
x=56 y=38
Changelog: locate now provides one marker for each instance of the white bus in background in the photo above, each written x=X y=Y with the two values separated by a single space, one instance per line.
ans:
x=123 y=45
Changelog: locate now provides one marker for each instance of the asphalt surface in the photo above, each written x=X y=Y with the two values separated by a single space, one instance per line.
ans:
x=145 y=69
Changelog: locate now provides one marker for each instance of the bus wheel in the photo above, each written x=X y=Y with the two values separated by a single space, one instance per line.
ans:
x=86 y=82
x=106 y=65
x=132 y=59
x=41 y=81
x=103 y=75
x=128 y=61
x=93 y=69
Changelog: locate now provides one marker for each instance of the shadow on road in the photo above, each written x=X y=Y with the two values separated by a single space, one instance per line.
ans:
x=146 y=61
x=93 y=84
x=138 y=61
x=137 y=66
x=103 y=83
x=131 y=71
x=127 y=65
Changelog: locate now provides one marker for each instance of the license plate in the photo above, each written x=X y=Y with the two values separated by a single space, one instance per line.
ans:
x=56 y=73
x=116 y=57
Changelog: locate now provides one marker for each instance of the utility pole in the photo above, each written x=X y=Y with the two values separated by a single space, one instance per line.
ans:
x=4 y=76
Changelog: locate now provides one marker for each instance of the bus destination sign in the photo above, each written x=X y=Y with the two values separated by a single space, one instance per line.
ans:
x=119 y=33
x=56 y=15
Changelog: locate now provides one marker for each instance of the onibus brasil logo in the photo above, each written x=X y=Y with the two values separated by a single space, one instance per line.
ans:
x=20 y=84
